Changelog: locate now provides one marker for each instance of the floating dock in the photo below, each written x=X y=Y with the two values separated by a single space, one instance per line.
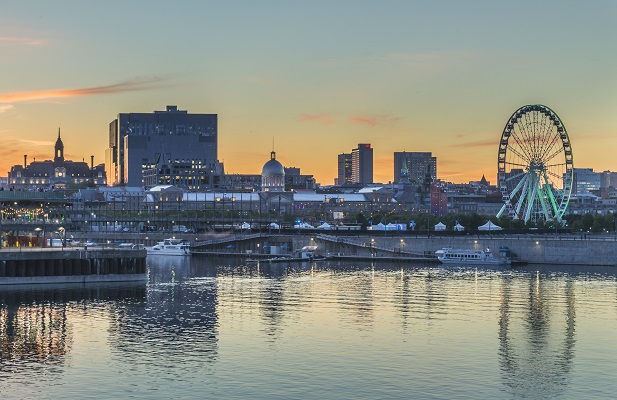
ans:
x=74 y=265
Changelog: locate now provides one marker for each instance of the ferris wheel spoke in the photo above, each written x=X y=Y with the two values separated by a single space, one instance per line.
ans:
x=551 y=173
x=542 y=197
x=528 y=138
x=553 y=155
x=531 y=199
x=524 y=147
x=522 y=197
x=551 y=196
x=555 y=165
x=516 y=164
x=516 y=152
x=512 y=177
x=549 y=147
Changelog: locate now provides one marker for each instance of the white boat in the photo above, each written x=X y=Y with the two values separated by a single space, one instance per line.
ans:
x=469 y=257
x=170 y=247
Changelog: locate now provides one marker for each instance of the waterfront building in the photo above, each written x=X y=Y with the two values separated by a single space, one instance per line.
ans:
x=362 y=164
x=170 y=147
x=58 y=173
x=416 y=164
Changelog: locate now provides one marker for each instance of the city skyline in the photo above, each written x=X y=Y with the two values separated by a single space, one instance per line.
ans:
x=318 y=79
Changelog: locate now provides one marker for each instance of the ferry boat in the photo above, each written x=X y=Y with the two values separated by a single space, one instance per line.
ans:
x=469 y=257
x=170 y=247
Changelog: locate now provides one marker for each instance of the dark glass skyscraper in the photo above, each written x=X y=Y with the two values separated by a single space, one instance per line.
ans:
x=170 y=146
x=418 y=163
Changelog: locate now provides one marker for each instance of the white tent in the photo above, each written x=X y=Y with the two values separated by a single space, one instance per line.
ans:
x=458 y=227
x=379 y=227
x=245 y=225
x=440 y=227
x=391 y=227
x=325 y=225
x=489 y=226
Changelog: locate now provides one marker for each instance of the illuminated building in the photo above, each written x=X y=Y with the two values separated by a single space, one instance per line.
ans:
x=57 y=173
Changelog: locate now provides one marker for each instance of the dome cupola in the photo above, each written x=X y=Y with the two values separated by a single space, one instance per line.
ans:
x=273 y=175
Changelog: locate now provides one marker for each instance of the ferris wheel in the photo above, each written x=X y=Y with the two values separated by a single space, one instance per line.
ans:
x=535 y=170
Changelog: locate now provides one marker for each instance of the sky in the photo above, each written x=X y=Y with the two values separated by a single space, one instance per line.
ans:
x=311 y=79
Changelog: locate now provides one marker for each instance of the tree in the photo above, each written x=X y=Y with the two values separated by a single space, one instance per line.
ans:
x=362 y=220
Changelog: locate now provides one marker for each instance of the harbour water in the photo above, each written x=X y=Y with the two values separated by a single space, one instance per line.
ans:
x=217 y=329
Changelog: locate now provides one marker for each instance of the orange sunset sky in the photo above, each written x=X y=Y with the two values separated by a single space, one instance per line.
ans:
x=316 y=78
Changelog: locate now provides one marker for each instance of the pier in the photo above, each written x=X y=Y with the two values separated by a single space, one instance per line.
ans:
x=74 y=265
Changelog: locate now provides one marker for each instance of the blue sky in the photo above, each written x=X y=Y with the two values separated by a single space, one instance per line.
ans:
x=316 y=77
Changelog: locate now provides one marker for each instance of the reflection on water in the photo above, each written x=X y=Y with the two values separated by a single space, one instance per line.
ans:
x=216 y=327
x=35 y=325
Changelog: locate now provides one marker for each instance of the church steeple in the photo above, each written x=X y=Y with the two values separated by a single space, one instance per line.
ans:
x=59 y=151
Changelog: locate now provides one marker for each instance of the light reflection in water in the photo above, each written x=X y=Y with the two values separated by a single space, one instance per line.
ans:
x=314 y=330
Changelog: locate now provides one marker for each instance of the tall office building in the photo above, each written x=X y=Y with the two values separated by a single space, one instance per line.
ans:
x=585 y=180
x=163 y=147
x=418 y=163
x=344 y=169
x=362 y=164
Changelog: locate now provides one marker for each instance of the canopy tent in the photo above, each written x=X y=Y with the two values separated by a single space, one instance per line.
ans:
x=391 y=227
x=379 y=227
x=489 y=226
x=458 y=227
x=440 y=227
x=325 y=225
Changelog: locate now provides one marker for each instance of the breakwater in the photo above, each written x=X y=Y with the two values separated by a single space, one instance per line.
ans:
x=72 y=266
x=565 y=249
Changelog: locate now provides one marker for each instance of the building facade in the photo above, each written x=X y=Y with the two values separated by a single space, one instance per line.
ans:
x=58 y=173
x=344 y=169
x=362 y=164
x=585 y=181
x=167 y=144
x=417 y=163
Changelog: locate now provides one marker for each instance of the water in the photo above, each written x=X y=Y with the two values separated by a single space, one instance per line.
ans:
x=213 y=328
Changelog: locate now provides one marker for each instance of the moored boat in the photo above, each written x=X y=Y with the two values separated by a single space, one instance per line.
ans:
x=170 y=247
x=469 y=257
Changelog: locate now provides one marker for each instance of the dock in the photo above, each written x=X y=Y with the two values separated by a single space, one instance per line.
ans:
x=71 y=265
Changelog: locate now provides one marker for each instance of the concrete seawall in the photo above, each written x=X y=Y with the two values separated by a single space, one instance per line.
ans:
x=565 y=250
x=72 y=266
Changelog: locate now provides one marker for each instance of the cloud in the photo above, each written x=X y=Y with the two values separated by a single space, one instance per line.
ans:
x=324 y=118
x=479 y=143
x=22 y=41
x=374 y=120
x=36 y=142
x=127 y=86
x=5 y=107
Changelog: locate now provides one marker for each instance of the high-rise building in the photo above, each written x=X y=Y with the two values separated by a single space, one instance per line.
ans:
x=585 y=180
x=168 y=147
x=362 y=164
x=417 y=163
x=608 y=179
x=344 y=169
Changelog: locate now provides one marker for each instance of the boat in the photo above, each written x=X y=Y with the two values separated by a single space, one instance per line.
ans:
x=170 y=247
x=469 y=257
